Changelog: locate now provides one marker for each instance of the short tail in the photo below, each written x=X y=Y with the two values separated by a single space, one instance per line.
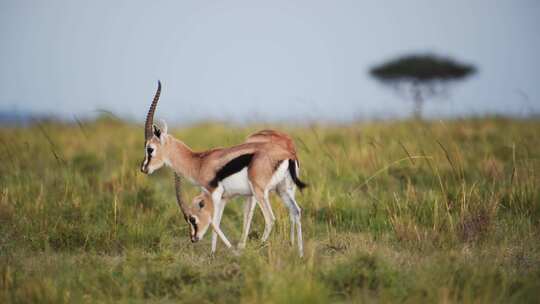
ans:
x=292 y=170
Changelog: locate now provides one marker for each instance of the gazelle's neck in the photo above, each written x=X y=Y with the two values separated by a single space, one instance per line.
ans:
x=181 y=158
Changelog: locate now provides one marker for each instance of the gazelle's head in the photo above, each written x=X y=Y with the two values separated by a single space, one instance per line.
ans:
x=154 y=139
x=200 y=216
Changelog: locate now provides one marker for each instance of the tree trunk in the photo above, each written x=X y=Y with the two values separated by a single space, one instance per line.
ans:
x=418 y=100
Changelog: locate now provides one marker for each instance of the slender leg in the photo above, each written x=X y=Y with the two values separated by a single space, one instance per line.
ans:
x=267 y=203
x=293 y=222
x=219 y=205
x=266 y=210
x=249 y=209
x=299 y=231
x=221 y=235
x=269 y=224
x=268 y=220
x=286 y=192
x=285 y=198
x=297 y=216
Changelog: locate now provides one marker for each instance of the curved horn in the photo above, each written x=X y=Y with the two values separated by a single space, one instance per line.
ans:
x=150 y=115
x=178 y=188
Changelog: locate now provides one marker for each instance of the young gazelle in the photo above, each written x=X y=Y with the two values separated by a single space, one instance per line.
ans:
x=284 y=181
x=252 y=168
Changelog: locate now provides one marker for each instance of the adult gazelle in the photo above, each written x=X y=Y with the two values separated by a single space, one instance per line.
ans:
x=266 y=162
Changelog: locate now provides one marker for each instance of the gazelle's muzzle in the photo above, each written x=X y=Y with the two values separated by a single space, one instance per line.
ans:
x=144 y=166
x=193 y=225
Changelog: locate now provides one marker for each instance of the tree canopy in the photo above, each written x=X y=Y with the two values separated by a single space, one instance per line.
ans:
x=422 y=68
x=421 y=76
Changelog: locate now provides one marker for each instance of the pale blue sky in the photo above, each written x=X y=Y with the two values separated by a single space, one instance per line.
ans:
x=255 y=60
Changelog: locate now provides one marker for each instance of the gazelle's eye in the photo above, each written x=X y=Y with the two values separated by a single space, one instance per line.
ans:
x=149 y=150
x=201 y=204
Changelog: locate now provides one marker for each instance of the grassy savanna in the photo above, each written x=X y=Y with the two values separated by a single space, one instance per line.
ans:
x=396 y=212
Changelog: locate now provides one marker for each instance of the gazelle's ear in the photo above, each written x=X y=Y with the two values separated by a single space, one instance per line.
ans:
x=157 y=131
x=163 y=131
x=164 y=127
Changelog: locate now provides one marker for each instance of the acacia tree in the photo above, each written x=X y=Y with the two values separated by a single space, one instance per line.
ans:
x=419 y=77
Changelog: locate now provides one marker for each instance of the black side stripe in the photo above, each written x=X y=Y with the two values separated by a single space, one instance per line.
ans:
x=292 y=170
x=232 y=167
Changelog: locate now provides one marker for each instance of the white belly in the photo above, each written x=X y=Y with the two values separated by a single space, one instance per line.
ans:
x=236 y=184
x=239 y=184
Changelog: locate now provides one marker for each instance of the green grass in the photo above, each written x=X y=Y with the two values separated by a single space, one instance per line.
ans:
x=417 y=212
